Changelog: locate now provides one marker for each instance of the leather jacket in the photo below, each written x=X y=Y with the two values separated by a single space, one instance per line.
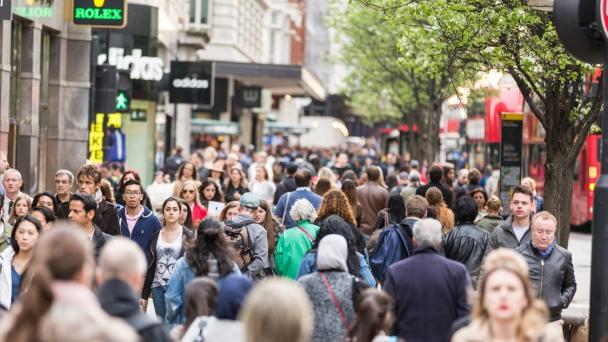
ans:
x=504 y=236
x=467 y=244
x=553 y=277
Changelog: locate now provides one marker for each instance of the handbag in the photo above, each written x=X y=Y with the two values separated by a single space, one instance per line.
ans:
x=334 y=299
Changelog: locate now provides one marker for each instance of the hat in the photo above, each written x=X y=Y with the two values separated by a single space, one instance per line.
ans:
x=250 y=200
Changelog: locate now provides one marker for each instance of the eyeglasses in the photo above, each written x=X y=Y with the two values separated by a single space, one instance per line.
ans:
x=132 y=193
x=187 y=191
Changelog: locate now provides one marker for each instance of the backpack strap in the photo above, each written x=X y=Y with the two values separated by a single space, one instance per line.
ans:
x=286 y=206
x=312 y=239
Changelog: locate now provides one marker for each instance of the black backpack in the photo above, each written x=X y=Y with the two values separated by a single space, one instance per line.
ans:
x=238 y=235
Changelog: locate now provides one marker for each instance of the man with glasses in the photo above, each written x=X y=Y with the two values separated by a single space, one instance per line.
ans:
x=550 y=265
x=64 y=180
x=515 y=231
x=136 y=221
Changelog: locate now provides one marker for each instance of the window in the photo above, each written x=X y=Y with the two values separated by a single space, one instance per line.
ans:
x=199 y=12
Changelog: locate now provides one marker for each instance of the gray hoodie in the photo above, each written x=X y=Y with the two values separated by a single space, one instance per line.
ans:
x=259 y=243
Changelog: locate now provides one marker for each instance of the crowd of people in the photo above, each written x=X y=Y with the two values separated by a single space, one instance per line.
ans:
x=291 y=245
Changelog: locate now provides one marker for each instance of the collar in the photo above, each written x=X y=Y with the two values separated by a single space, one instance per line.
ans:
x=425 y=250
x=546 y=253
x=137 y=216
x=303 y=188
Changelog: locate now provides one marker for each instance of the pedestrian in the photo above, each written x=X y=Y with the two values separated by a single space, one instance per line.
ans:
x=64 y=181
x=230 y=210
x=82 y=210
x=480 y=197
x=505 y=308
x=515 y=231
x=137 y=222
x=22 y=206
x=356 y=262
x=411 y=188
x=331 y=290
x=15 y=260
x=259 y=160
x=236 y=185
x=336 y=203
x=12 y=183
x=288 y=317
x=5 y=229
x=158 y=191
x=185 y=173
x=492 y=183
x=223 y=326
x=126 y=176
x=373 y=198
x=349 y=174
x=341 y=165
x=46 y=199
x=189 y=193
x=185 y=215
x=466 y=243
x=210 y=191
x=374 y=318
x=216 y=172
x=550 y=265
x=539 y=201
x=208 y=255
x=107 y=193
x=201 y=297
x=430 y=291
x=449 y=178
x=45 y=216
x=349 y=188
x=249 y=238
x=59 y=304
x=262 y=185
x=327 y=173
x=322 y=186
x=166 y=246
x=492 y=218
x=120 y=276
x=444 y=214
x=473 y=179
x=174 y=161
x=303 y=191
x=435 y=177
x=295 y=242
x=264 y=217
x=288 y=184
x=393 y=214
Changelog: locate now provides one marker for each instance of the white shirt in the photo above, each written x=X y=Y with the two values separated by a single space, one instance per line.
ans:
x=520 y=231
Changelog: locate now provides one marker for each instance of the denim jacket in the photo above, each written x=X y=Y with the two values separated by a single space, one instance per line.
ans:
x=309 y=265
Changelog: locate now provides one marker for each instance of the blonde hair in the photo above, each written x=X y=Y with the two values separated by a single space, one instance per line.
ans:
x=534 y=315
x=493 y=204
x=327 y=173
x=531 y=181
x=13 y=213
x=197 y=198
x=287 y=317
x=545 y=216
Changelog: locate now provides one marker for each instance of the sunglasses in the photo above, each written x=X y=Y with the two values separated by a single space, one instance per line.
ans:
x=187 y=191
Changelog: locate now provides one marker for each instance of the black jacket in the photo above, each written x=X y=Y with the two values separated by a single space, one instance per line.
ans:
x=447 y=194
x=106 y=216
x=467 y=244
x=504 y=236
x=287 y=185
x=552 y=276
x=99 y=239
x=119 y=300
x=151 y=257
x=230 y=190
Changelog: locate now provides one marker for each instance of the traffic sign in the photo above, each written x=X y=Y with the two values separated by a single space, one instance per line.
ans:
x=100 y=13
x=122 y=101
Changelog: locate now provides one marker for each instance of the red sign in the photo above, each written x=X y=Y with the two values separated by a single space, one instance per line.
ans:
x=604 y=16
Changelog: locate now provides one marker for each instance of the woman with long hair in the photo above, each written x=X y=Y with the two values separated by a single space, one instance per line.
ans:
x=481 y=197
x=210 y=191
x=45 y=216
x=322 y=187
x=166 y=247
x=189 y=193
x=185 y=215
x=22 y=206
x=444 y=214
x=264 y=217
x=46 y=199
x=201 y=297
x=207 y=255
x=327 y=173
x=185 y=172
x=261 y=185
x=59 y=296
x=506 y=308
x=374 y=318
x=16 y=259
x=357 y=265
x=394 y=214
x=335 y=203
x=107 y=193
x=236 y=185
x=349 y=188
x=229 y=211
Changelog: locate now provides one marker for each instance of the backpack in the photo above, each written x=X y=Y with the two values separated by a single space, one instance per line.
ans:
x=238 y=236
x=393 y=245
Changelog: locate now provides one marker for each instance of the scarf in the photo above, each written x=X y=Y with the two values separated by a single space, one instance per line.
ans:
x=544 y=254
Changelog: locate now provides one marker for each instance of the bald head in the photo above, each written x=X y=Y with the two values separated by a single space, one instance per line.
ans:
x=123 y=259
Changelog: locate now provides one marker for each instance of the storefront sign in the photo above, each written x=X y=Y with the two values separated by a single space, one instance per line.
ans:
x=250 y=97
x=191 y=82
x=510 y=156
x=100 y=13
x=5 y=10
x=97 y=133
x=140 y=67
x=34 y=9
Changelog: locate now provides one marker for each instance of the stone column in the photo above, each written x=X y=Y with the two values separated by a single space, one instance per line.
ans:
x=5 y=82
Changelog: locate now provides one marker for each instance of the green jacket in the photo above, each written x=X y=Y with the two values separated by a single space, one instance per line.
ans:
x=5 y=237
x=292 y=246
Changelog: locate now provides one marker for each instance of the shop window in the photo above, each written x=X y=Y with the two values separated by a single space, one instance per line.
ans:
x=199 y=13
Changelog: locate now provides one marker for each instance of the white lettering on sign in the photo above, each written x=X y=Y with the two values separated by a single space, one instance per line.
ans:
x=190 y=83
x=141 y=67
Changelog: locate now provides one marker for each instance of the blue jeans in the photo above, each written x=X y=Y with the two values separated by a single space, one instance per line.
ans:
x=158 y=297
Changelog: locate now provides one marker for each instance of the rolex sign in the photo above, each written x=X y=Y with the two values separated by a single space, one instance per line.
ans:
x=191 y=82
x=100 y=13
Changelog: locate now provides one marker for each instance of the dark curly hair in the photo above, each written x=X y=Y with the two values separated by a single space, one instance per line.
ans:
x=218 y=197
x=210 y=243
x=335 y=202
x=334 y=224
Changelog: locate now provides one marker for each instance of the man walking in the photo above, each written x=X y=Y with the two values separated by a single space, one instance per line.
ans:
x=373 y=198
x=430 y=291
x=136 y=221
x=435 y=176
x=288 y=184
x=515 y=231
x=82 y=211
x=303 y=180
x=550 y=265
x=121 y=268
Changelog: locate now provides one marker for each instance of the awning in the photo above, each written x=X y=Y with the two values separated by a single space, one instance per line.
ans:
x=205 y=126
x=289 y=79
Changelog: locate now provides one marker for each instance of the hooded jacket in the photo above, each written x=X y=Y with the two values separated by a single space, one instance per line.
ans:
x=143 y=231
x=259 y=244
x=119 y=300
